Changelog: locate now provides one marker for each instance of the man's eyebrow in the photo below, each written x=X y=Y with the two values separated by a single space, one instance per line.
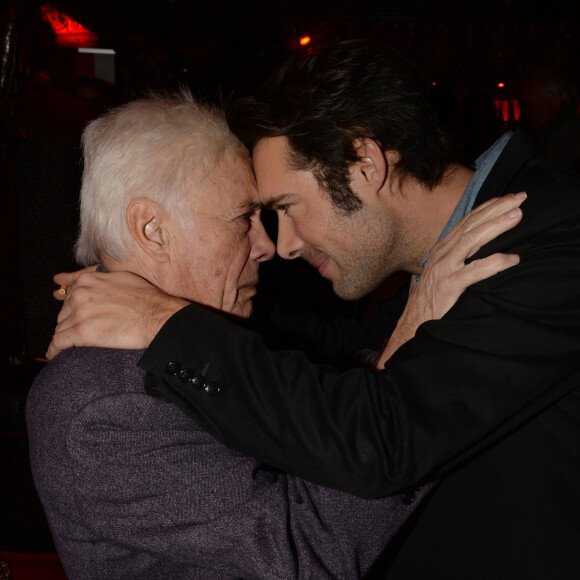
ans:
x=249 y=206
x=279 y=199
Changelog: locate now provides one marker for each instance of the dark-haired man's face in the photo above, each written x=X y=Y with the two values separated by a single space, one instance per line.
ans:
x=355 y=252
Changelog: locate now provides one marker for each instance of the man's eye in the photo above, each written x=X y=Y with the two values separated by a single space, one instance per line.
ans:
x=283 y=208
x=247 y=218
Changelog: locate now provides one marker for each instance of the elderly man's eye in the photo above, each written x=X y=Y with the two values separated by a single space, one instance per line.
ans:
x=246 y=218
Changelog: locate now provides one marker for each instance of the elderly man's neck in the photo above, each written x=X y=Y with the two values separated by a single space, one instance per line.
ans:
x=144 y=268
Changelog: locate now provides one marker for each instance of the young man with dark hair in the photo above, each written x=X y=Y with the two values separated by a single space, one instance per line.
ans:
x=324 y=103
x=485 y=398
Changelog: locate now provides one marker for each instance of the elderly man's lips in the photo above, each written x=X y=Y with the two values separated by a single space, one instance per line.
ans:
x=252 y=286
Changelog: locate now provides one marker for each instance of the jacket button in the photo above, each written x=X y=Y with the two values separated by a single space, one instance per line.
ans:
x=197 y=382
x=212 y=389
x=410 y=495
x=185 y=375
x=172 y=368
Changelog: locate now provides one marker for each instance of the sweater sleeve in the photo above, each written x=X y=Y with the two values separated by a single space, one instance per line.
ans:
x=155 y=488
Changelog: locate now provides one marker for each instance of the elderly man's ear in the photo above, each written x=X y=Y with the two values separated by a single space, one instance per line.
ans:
x=148 y=227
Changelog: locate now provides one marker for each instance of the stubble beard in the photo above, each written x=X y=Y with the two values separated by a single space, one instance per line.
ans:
x=361 y=280
x=378 y=255
x=381 y=245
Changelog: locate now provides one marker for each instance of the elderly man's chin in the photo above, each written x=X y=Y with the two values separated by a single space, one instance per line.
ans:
x=243 y=309
x=243 y=306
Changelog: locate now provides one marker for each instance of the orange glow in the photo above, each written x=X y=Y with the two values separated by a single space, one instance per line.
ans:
x=304 y=40
x=501 y=85
x=68 y=32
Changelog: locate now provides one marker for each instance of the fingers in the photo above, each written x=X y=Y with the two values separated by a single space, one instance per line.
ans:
x=489 y=230
x=446 y=275
x=488 y=212
x=60 y=294
x=493 y=208
x=67 y=278
x=111 y=310
x=480 y=227
x=65 y=337
x=479 y=270
x=52 y=351
x=56 y=345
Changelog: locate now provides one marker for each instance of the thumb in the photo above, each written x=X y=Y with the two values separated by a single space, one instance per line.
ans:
x=68 y=278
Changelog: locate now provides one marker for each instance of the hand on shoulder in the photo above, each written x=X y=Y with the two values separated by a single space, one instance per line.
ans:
x=110 y=310
x=446 y=275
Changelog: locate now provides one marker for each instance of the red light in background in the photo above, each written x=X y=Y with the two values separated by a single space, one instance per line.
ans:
x=508 y=110
x=304 y=40
x=501 y=85
x=503 y=110
x=68 y=32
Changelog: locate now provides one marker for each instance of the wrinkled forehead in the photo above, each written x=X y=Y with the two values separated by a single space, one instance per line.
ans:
x=228 y=182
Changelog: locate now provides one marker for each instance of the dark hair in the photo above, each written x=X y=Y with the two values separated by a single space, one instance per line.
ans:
x=323 y=101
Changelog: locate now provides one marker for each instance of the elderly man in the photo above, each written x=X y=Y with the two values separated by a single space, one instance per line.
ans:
x=131 y=486
x=349 y=152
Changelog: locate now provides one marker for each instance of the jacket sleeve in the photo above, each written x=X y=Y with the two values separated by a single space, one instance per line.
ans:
x=504 y=352
x=337 y=340
x=147 y=482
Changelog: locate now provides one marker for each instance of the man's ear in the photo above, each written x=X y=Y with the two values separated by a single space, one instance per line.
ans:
x=375 y=168
x=145 y=220
x=371 y=169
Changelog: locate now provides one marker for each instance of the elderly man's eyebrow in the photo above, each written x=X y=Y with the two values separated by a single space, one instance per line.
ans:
x=250 y=206
x=278 y=200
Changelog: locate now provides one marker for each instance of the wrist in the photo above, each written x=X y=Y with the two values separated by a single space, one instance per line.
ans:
x=160 y=315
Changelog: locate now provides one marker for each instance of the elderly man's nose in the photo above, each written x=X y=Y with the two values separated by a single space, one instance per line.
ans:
x=263 y=248
x=289 y=245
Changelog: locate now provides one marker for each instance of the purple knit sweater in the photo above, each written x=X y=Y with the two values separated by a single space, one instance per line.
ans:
x=134 y=489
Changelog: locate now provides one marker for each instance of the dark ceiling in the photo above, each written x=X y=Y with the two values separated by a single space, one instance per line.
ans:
x=231 y=46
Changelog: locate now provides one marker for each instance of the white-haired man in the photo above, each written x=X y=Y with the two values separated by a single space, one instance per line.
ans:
x=133 y=488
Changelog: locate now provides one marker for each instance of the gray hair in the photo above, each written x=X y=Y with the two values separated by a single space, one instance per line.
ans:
x=153 y=147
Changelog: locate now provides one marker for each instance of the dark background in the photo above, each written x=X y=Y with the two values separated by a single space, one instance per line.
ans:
x=221 y=49
x=232 y=46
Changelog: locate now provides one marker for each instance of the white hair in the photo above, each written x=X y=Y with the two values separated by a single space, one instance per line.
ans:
x=155 y=147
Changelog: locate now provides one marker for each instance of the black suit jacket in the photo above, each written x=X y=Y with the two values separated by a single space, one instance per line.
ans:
x=486 y=398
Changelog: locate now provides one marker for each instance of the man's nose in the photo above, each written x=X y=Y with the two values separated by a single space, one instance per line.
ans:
x=289 y=244
x=263 y=248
